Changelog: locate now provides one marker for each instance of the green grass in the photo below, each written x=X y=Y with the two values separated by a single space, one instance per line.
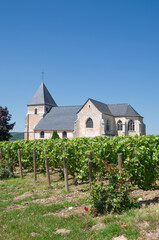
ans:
x=32 y=221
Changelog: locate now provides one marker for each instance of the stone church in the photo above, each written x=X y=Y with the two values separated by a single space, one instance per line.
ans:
x=92 y=119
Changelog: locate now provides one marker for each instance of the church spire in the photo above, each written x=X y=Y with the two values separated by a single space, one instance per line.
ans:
x=42 y=97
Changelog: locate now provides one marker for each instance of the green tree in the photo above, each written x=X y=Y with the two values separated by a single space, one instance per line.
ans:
x=5 y=126
x=55 y=135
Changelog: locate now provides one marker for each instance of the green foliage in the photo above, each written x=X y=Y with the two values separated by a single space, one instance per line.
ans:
x=5 y=126
x=17 y=136
x=111 y=193
x=140 y=156
x=55 y=135
x=6 y=169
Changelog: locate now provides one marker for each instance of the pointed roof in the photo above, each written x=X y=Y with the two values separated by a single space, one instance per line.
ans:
x=42 y=97
x=102 y=107
x=123 y=110
x=114 y=109
x=59 y=118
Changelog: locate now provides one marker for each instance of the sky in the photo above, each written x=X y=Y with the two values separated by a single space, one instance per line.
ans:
x=107 y=50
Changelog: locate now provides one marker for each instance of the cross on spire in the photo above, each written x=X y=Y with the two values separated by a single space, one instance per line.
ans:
x=43 y=76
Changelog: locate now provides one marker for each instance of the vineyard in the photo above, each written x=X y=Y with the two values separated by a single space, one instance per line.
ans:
x=140 y=156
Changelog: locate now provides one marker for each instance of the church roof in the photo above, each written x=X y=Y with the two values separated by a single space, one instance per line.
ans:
x=122 y=110
x=42 y=97
x=59 y=118
x=115 y=109
x=102 y=107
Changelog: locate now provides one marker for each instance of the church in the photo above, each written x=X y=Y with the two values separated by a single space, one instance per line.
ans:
x=92 y=119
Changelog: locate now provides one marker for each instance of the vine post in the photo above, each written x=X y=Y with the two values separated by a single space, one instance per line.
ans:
x=90 y=173
x=1 y=153
x=65 y=173
x=20 y=163
x=10 y=162
x=34 y=164
x=120 y=161
x=47 y=168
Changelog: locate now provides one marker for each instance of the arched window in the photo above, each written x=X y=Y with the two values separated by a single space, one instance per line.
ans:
x=89 y=123
x=35 y=110
x=131 y=125
x=42 y=134
x=119 y=125
x=64 y=134
x=107 y=126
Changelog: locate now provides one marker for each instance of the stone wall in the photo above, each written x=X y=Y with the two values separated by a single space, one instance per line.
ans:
x=139 y=126
x=111 y=121
x=48 y=134
x=33 y=119
x=88 y=111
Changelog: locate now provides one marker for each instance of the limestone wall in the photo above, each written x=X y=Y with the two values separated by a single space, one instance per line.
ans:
x=112 y=128
x=88 y=111
x=32 y=120
x=48 y=134
x=139 y=126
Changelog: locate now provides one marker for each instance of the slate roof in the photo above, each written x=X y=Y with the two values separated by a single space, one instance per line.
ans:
x=41 y=97
x=122 y=110
x=102 y=107
x=59 y=118
x=115 y=109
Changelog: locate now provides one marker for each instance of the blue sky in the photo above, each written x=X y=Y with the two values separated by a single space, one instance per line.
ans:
x=105 y=50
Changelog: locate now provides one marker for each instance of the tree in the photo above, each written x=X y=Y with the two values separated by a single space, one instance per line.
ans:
x=55 y=135
x=5 y=126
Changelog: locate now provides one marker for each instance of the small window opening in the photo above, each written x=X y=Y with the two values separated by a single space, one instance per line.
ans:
x=119 y=125
x=107 y=126
x=35 y=110
x=89 y=123
x=131 y=125
x=64 y=134
x=42 y=134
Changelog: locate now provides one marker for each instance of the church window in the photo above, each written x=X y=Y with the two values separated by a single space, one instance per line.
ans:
x=119 y=125
x=42 y=134
x=35 y=110
x=64 y=134
x=107 y=126
x=131 y=125
x=89 y=123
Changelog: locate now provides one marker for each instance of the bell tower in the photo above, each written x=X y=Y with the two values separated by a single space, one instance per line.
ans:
x=39 y=105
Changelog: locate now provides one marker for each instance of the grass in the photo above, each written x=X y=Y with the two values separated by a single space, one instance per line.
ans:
x=48 y=209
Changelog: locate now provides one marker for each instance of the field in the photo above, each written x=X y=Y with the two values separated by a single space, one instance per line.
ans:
x=17 y=136
x=32 y=210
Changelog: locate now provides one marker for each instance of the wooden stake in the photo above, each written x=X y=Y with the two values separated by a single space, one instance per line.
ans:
x=1 y=153
x=90 y=173
x=120 y=161
x=47 y=168
x=34 y=164
x=65 y=173
x=10 y=162
x=20 y=163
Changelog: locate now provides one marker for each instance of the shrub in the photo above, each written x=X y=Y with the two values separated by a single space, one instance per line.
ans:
x=55 y=135
x=6 y=169
x=111 y=193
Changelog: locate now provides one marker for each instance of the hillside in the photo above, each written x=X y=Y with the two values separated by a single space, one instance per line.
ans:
x=17 y=136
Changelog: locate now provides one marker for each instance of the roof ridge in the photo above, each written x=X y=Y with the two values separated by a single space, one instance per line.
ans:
x=118 y=104
x=71 y=106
